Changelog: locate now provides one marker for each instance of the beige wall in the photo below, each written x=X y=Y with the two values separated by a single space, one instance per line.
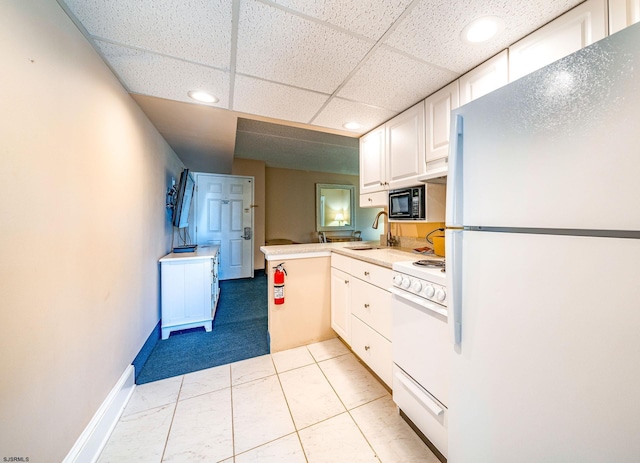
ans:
x=83 y=222
x=305 y=316
x=255 y=169
x=291 y=204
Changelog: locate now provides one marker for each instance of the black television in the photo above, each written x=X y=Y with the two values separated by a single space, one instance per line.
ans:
x=184 y=194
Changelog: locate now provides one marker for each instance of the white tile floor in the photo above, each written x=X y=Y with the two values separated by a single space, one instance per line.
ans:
x=310 y=404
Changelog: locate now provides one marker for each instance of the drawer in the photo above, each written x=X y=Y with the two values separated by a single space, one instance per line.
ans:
x=377 y=199
x=429 y=415
x=371 y=273
x=341 y=262
x=372 y=305
x=373 y=349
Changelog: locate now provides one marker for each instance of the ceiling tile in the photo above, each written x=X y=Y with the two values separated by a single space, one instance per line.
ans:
x=392 y=80
x=286 y=48
x=340 y=111
x=255 y=96
x=370 y=19
x=431 y=31
x=138 y=71
x=198 y=31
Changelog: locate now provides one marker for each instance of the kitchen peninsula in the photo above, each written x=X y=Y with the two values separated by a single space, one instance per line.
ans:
x=305 y=315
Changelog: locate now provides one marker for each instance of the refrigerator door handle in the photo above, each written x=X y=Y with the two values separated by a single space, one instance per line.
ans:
x=454 y=178
x=453 y=257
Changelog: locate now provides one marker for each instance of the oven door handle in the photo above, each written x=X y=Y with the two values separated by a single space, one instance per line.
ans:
x=417 y=300
x=419 y=395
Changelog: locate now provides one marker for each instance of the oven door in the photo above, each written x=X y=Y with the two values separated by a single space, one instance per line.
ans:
x=421 y=342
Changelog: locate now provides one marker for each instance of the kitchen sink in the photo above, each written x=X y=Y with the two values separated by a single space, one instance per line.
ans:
x=363 y=247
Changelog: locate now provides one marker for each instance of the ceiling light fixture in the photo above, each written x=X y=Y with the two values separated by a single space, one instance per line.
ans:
x=351 y=126
x=202 y=97
x=482 y=29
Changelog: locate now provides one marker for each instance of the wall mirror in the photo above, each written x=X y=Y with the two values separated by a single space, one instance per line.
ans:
x=335 y=207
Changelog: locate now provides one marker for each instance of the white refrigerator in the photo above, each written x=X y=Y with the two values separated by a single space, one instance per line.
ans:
x=543 y=264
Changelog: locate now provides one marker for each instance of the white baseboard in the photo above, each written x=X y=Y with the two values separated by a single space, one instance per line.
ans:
x=95 y=436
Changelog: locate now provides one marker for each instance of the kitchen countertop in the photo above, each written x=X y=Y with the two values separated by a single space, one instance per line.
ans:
x=379 y=255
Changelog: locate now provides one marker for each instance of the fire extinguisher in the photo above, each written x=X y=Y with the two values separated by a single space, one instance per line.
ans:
x=278 y=284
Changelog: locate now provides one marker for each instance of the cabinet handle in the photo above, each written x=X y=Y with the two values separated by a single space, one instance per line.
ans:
x=366 y=274
x=346 y=282
x=367 y=347
x=366 y=306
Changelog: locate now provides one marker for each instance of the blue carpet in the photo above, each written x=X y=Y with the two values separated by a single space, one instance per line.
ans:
x=239 y=332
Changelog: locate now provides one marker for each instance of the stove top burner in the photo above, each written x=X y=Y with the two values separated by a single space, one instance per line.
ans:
x=430 y=263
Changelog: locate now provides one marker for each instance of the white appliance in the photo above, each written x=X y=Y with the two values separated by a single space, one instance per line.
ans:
x=420 y=347
x=543 y=268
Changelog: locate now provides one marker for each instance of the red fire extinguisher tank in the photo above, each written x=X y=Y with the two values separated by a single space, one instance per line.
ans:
x=278 y=284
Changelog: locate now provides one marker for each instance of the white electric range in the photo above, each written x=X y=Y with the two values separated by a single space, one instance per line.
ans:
x=421 y=347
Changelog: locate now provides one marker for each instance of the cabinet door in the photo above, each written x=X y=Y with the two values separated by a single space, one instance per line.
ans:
x=372 y=161
x=186 y=291
x=215 y=285
x=487 y=77
x=341 y=304
x=438 y=120
x=373 y=349
x=405 y=147
x=372 y=305
x=582 y=26
x=623 y=13
x=377 y=199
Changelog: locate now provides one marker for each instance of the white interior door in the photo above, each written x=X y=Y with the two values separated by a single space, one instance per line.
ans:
x=224 y=217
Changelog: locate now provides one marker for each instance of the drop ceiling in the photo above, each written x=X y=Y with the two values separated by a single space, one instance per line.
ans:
x=319 y=63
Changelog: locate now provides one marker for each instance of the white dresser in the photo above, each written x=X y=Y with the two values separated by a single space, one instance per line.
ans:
x=189 y=289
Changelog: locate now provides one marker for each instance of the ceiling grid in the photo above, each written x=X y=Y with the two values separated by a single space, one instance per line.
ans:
x=322 y=63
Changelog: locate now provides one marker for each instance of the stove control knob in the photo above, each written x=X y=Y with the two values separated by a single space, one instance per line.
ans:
x=397 y=279
x=441 y=295
x=429 y=291
x=406 y=282
x=416 y=286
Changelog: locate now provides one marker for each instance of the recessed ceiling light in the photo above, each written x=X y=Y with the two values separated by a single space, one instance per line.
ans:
x=351 y=126
x=482 y=29
x=202 y=97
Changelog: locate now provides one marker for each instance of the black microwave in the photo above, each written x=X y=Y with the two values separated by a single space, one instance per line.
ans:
x=407 y=203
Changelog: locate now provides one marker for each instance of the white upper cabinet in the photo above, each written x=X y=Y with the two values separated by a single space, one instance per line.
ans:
x=486 y=78
x=438 y=120
x=576 y=29
x=405 y=147
x=623 y=13
x=372 y=161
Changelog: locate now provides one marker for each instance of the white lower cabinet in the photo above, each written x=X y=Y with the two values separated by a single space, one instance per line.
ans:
x=372 y=305
x=373 y=348
x=189 y=290
x=361 y=311
x=340 y=304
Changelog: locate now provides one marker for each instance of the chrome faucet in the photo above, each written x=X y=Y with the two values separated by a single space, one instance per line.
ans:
x=391 y=240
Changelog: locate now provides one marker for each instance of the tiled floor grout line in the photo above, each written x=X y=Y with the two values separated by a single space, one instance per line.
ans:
x=173 y=416
x=361 y=431
x=295 y=427
x=347 y=408
x=184 y=385
x=233 y=436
